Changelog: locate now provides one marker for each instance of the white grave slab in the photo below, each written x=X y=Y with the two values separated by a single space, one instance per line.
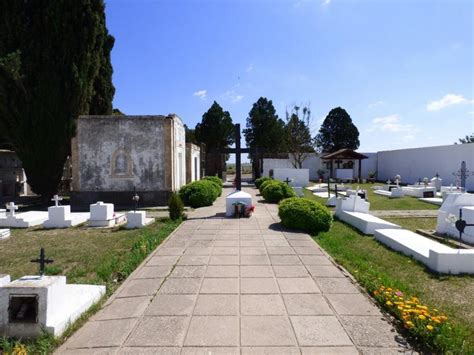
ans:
x=33 y=304
x=138 y=219
x=449 y=213
x=393 y=193
x=438 y=201
x=4 y=279
x=365 y=222
x=298 y=177
x=23 y=220
x=437 y=182
x=61 y=217
x=103 y=215
x=318 y=188
x=419 y=191
x=4 y=234
x=436 y=256
x=234 y=197
x=3 y=213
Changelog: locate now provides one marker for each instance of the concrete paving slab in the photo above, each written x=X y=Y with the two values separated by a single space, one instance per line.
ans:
x=266 y=331
x=262 y=305
x=213 y=331
x=319 y=331
x=306 y=304
x=159 y=331
x=217 y=305
x=171 y=305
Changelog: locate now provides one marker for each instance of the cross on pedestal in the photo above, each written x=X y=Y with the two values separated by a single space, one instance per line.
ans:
x=461 y=224
x=462 y=174
x=56 y=200
x=42 y=261
x=12 y=208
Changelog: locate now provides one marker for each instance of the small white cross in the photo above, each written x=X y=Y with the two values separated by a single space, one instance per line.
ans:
x=56 y=200
x=11 y=206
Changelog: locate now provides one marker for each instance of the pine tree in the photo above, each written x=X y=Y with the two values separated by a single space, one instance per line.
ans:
x=337 y=132
x=54 y=66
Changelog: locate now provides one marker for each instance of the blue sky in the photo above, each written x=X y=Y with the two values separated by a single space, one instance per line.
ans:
x=402 y=69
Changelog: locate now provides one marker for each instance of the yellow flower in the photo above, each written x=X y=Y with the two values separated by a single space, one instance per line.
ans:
x=429 y=327
x=422 y=317
x=388 y=303
x=409 y=323
x=400 y=308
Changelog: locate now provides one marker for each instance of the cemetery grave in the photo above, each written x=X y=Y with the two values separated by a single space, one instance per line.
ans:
x=23 y=219
x=61 y=216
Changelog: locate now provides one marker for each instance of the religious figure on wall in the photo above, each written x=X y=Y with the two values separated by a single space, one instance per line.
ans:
x=121 y=164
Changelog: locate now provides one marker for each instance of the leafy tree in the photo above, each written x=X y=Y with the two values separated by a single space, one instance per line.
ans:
x=190 y=135
x=216 y=131
x=467 y=139
x=337 y=132
x=54 y=66
x=264 y=131
x=298 y=135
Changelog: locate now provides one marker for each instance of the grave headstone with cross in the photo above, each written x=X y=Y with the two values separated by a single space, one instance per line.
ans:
x=42 y=262
x=11 y=207
x=56 y=200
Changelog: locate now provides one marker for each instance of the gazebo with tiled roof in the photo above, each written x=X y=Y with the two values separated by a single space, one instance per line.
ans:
x=338 y=157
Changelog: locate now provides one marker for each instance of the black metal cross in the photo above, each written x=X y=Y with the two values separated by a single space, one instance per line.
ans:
x=42 y=261
x=461 y=224
x=437 y=175
x=287 y=181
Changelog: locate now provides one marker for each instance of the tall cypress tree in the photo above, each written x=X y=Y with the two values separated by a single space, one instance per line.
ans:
x=216 y=131
x=54 y=66
x=337 y=132
x=264 y=131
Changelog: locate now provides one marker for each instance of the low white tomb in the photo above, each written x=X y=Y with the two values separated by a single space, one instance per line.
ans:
x=436 y=256
x=396 y=192
x=3 y=213
x=298 y=177
x=61 y=216
x=33 y=304
x=420 y=191
x=22 y=220
x=355 y=211
x=235 y=197
x=449 y=213
x=138 y=219
x=103 y=215
x=4 y=234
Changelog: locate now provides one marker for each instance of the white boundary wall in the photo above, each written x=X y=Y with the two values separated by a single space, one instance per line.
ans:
x=416 y=163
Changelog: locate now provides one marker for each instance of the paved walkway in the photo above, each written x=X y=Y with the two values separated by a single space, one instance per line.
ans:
x=229 y=286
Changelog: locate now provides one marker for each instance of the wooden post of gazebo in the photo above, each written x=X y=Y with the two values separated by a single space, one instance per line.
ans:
x=344 y=154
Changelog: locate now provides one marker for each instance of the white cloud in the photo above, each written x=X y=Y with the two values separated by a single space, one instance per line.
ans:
x=375 y=104
x=389 y=123
x=232 y=96
x=326 y=2
x=249 y=68
x=445 y=101
x=202 y=94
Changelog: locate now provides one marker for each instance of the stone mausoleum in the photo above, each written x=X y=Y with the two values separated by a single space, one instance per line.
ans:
x=113 y=155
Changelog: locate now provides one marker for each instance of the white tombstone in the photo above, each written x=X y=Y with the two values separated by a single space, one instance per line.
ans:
x=138 y=219
x=33 y=304
x=61 y=217
x=22 y=220
x=3 y=213
x=4 y=279
x=102 y=215
x=4 y=234
x=235 y=197
x=353 y=203
x=437 y=182
x=298 y=191
x=449 y=213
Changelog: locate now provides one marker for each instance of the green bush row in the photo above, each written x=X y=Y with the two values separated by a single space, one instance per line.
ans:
x=261 y=180
x=217 y=181
x=200 y=193
x=304 y=214
x=274 y=191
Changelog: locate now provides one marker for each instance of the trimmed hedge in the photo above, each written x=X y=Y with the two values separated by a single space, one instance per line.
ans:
x=217 y=181
x=261 y=180
x=264 y=184
x=275 y=191
x=304 y=214
x=199 y=193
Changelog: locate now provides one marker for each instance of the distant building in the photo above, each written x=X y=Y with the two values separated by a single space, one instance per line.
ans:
x=193 y=162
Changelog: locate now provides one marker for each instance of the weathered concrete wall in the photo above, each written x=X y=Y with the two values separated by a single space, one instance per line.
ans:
x=12 y=175
x=112 y=155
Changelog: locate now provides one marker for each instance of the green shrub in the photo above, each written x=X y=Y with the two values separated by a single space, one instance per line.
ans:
x=264 y=184
x=275 y=191
x=261 y=180
x=175 y=206
x=199 y=193
x=217 y=181
x=304 y=214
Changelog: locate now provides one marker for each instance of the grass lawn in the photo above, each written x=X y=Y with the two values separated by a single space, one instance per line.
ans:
x=413 y=224
x=84 y=255
x=369 y=262
x=378 y=202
